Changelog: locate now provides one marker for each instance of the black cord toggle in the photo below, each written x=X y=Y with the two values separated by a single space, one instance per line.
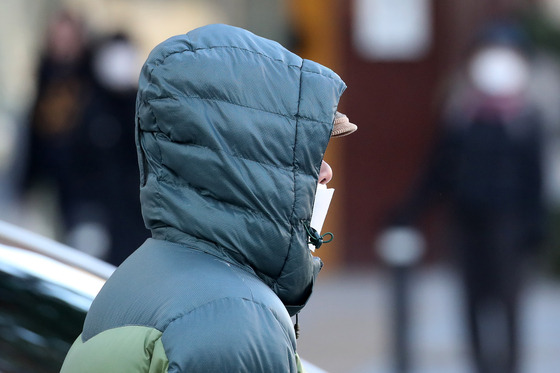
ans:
x=315 y=239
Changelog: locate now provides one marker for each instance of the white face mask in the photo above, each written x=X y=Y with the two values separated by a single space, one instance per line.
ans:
x=323 y=199
x=499 y=71
x=117 y=66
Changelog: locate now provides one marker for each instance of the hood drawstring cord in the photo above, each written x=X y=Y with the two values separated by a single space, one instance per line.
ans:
x=315 y=238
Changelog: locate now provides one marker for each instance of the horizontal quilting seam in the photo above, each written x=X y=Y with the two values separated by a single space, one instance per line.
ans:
x=191 y=310
x=184 y=184
x=216 y=150
x=298 y=67
x=233 y=47
x=243 y=299
x=291 y=117
x=297 y=171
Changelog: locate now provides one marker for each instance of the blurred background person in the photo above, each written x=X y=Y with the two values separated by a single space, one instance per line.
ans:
x=106 y=152
x=64 y=86
x=81 y=138
x=487 y=165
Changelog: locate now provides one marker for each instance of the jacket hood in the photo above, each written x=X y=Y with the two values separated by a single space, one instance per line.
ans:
x=231 y=131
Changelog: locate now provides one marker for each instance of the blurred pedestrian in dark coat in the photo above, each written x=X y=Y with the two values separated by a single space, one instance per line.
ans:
x=81 y=139
x=109 y=149
x=64 y=89
x=487 y=164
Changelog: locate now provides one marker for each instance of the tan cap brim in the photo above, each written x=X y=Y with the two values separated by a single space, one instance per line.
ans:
x=342 y=125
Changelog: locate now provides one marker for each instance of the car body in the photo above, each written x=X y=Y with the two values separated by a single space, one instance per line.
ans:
x=46 y=289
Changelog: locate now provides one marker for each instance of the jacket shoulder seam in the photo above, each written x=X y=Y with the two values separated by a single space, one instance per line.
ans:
x=264 y=307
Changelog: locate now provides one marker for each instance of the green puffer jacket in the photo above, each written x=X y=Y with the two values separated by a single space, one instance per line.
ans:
x=231 y=132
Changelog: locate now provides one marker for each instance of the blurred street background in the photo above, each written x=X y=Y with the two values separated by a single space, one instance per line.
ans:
x=447 y=204
x=347 y=325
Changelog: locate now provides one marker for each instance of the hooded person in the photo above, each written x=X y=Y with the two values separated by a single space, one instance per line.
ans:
x=231 y=131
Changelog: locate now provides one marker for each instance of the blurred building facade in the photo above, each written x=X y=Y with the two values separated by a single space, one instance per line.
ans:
x=396 y=81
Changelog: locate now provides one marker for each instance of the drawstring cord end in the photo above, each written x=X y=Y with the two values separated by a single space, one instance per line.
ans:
x=314 y=238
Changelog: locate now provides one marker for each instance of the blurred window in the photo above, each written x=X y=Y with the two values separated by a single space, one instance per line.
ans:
x=392 y=30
